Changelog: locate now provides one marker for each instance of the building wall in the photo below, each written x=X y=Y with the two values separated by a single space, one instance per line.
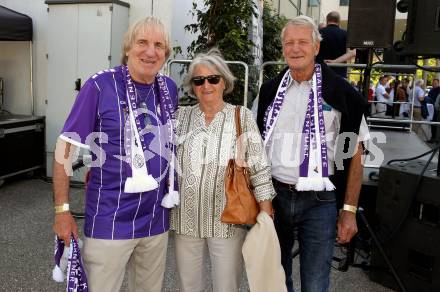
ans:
x=162 y=9
x=289 y=8
x=15 y=71
x=182 y=16
x=15 y=56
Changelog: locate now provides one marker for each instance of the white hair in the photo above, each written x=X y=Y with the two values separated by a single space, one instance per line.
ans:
x=306 y=21
x=214 y=60
x=419 y=82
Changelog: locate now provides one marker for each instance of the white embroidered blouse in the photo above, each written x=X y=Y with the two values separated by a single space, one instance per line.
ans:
x=202 y=154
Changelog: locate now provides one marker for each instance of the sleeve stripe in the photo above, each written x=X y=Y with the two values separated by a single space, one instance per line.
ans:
x=97 y=86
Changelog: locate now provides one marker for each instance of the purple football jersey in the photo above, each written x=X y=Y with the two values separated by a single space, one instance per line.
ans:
x=97 y=122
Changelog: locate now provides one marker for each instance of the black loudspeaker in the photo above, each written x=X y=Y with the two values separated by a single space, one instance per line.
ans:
x=390 y=56
x=371 y=23
x=361 y=56
x=422 y=28
x=414 y=249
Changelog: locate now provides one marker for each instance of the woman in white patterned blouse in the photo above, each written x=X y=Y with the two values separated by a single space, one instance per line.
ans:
x=206 y=142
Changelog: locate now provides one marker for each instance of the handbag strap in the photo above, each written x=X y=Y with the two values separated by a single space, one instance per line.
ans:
x=237 y=122
x=238 y=131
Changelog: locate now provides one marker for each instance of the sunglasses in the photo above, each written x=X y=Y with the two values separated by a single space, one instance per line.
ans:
x=200 y=80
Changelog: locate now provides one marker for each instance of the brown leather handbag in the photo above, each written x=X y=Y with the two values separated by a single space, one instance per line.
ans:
x=241 y=206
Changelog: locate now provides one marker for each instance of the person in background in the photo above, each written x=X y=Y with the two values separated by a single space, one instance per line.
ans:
x=382 y=96
x=417 y=96
x=400 y=96
x=404 y=109
x=334 y=44
x=371 y=99
x=390 y=89
x=433 y=96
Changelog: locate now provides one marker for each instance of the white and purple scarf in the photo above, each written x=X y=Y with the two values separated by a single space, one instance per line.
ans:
x=313 y=170
x=141 y=180
x=68 y=259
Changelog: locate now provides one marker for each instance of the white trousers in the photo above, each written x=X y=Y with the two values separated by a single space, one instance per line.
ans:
x=226 y=262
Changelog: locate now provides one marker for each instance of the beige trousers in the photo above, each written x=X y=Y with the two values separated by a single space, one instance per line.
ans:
x=105 y=262
x=226 y=262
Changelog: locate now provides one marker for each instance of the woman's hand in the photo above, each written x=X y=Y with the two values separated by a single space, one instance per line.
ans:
x=266 y=206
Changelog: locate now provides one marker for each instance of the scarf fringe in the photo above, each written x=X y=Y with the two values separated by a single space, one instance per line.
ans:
x=61 y=266
x=140 y=183
x=314 y=184
x=61 y=263
x=171 y=199
x=57 y=274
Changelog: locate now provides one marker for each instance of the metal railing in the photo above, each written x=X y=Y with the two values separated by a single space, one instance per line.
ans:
x=382 y=67
x=410 y=121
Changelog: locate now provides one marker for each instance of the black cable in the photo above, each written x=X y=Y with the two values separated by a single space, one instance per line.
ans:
x=78 y=164
x=377 y=56
x=414 y=62
x=413 y=158
x=373 y=176
x=375 y=63
x=427 y=69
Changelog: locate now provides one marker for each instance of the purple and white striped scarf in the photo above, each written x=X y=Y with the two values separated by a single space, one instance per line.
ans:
x=76 y=275
x=145 y=181
x=314 y=159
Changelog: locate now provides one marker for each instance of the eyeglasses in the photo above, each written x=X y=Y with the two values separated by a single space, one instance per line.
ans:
x=200 y=80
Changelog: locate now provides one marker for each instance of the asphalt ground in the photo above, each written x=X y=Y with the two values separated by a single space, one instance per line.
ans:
x=26 y=245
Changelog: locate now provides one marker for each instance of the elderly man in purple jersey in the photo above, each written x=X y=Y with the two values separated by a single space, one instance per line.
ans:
x=125 y=117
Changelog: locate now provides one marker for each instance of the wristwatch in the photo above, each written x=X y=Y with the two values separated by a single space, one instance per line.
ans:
x=61 y=208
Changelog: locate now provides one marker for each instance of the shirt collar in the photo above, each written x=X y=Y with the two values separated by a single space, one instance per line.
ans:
x=296 y=84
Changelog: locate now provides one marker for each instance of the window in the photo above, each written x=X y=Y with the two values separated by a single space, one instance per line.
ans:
x=343 y=2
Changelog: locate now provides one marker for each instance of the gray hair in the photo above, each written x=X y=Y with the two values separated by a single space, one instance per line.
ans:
x=333 y=16
x=147 y=23
x=419 y=82
x=214 y=60
x=306 y=21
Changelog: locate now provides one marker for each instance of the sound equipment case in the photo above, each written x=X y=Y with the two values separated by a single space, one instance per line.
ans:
x=414 y=249
x=22 y=144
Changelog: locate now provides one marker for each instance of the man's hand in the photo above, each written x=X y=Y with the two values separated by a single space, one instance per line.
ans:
x=64 y=226
x=266 y=206
x=347 y=227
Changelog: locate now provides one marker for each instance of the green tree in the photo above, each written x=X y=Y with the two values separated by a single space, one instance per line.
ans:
x=226 y=25
x=272 y=48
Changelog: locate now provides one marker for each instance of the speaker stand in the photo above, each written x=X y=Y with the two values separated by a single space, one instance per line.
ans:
x=349 y=260
x=438 y=156
x=367 y=73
